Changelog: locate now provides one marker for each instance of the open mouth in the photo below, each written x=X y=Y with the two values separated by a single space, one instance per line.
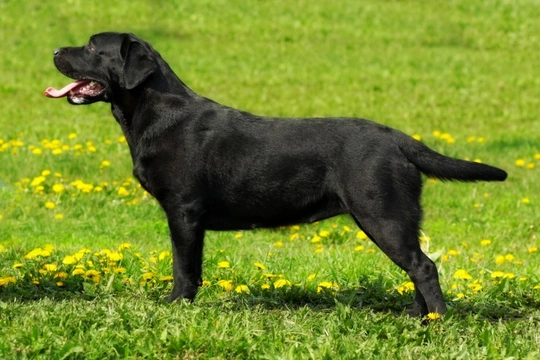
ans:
x=78 y=92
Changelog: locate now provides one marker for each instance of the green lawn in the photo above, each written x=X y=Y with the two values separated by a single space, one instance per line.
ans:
x=85 y=259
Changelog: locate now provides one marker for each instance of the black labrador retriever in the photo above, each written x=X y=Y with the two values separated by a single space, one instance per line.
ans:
x=212 y=167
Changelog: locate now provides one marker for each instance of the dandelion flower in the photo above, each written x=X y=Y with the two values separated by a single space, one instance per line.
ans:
x=122 y=191
x=316 y=239
x=148 y=275
x=238 y=235
x=124 y=246
x=520 y=162
x=242 y=289
x=311 y=277
x=17 y=265
x=281 y=283
x=224 y=264
x=50 y=205
x=532 y=249
x=359 y=248
x=259 y=266
x=58 y=188
x=485 y=242
x=405 y=287
x=433 y=316
x=78 y=271
x=166 y=278
x=119 y=270
x=72 y=136
x=497 y=274
x=227 y=285
x=324 y=233
x=462 y=274
x=59 y=216
x=499 y=259
x=417 y=137
x=361 y=235
x=278 y=244
x=265 y=286
x=7 y=280
x=526 y=201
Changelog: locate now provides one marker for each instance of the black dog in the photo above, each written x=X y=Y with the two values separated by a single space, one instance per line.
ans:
x=212 y=167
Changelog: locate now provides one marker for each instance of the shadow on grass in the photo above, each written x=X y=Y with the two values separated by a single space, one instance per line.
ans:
x=370 y=294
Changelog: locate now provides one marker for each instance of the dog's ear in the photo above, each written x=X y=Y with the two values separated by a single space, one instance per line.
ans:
x=139 y=62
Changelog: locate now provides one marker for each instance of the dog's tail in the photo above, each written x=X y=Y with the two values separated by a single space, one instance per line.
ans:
x=443 y=167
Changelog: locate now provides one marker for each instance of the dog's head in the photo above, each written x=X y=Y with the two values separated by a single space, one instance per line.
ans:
x=108 y=64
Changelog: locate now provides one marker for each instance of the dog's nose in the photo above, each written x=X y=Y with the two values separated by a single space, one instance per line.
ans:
x=57 y=51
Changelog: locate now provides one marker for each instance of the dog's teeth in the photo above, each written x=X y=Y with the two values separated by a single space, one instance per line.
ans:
x=92 y=83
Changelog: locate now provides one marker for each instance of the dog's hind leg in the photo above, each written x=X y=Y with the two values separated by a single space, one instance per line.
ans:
x=400 y=243
x=389 y=212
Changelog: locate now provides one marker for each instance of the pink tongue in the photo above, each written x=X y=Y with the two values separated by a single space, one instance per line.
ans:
x=53 y=93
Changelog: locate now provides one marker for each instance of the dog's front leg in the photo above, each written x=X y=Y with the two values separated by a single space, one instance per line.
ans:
x=187 y=237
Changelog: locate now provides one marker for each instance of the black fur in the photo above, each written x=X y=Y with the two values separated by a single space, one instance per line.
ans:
x=212 y=167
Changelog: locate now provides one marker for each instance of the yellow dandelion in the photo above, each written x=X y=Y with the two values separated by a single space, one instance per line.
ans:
x=497 y=274
x=316 y=239
x=509 y=257
x=242 y=289
x=361 y=235
x=324 y=233
x=104 y=164
x=50 y=205
x=532 y=249
x=311 y=277
x=59 y=283
x=359 y=248
x=281 y=283
x=78 y=271
x=405 y=287
x=17 y=265
x=259 y=266
x=520 y=162
x=72 y=136
x=226 y=285
x=417 y=137
x=499 y=259
x=91 y=273
x=122 y=191
x=115 y=256
x=278 y=244
x=5 y=281
x=119 y=270
x=485 y=242
x=166 y=278
x=148 y=275
x=327 y=285
x=462 y=274
x=61 y=275
x=37 y=181
x=59 y=216
x=238 y=235
x=526 y=201
x=37 y=151
x=453 y=252
x=433 y=316
x=124 y=246
x=50 y=267
x=224 y=264
x=294 y=236
x=58 y=188
x=164 y=255
x=265 y=286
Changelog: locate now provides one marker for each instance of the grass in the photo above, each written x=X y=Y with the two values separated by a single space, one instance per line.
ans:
x=462 y=75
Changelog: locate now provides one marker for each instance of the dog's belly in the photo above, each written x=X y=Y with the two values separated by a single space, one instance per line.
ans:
x=235 y=218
